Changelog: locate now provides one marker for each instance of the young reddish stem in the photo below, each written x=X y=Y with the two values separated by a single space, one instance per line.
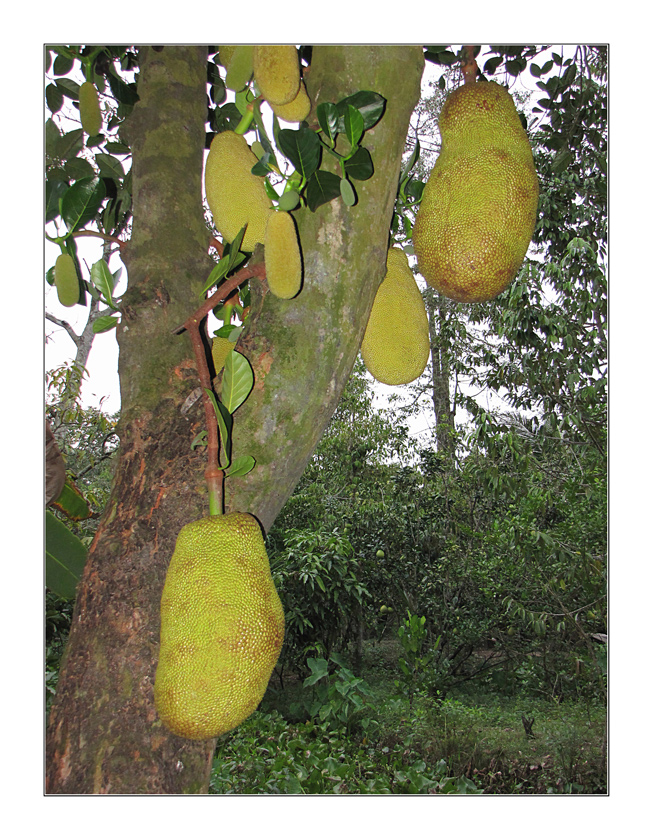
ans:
x=469 y=65
x=213 y=474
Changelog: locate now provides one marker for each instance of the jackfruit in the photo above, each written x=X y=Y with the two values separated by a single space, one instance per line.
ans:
x=297 y=110
x=90 y=114
x=479 y=205
x=240 y=66
x=396 y=347
x=222 y=627
x=276 y=70
x=66 y=280
x=220 y=349
x=283 y=260
x=235 y=196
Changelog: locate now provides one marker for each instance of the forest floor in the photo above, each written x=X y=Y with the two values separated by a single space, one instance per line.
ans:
x=369 y=737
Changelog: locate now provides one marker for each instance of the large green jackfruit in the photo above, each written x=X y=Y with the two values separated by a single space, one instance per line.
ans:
x=222 y=627
x=479 y=206
x=90 y=114
x=396 y=347
x=276 y=70
x=235 y=196
x=283 y=260
x=239 y=61
x=297 y=110
x=66 y=280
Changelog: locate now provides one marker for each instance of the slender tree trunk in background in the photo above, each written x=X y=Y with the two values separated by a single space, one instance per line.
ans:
x=440 y=364
x=104 y=735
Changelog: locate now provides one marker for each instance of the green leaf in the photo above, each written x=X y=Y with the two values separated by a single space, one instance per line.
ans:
x=65 y=556
x=354 y=125
x=241 y=466
x=105 y=323
x=71 y=502
x=360 y=165
x=53 y=98
x=322 y=187
x=237 y=381
x=371 y=106
x=110 y=167
x=327 y=117
x=81 y=202
x=302 y=148
x=54 y=192
x=347 y=192
x=70 y=144
x=62 y=65
x=102 y=279
x=77 y=169
x=68 y=88
x=225 y=424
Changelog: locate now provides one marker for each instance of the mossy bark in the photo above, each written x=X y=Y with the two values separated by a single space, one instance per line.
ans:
x=104 y=735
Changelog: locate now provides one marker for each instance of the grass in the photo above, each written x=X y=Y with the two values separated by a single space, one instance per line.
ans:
x=474 y=741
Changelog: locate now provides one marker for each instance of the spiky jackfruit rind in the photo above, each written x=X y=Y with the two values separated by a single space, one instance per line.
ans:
x=235 y=196
x=90 y=114
x=220 y=349
x=240 y=67
x=297 y=110
x=276 y=71
x=222 y=627
x=479 y=206
x=283 y=259
x=395 y=347
x=66 y=280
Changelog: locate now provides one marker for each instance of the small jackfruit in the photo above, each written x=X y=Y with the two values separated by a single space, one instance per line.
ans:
x=396 y=346
x=235 y=196
x=90 y=114
x=66 y=280
x=479 y=205
x=276 y=70
x=297 y=110
x=283 y=260
x=240 y=66
x=220 y=349
x=222 y=627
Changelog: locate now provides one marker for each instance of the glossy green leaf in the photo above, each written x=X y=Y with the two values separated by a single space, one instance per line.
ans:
x=81 y=202
x=71 y=502
x=354 y=125
x=302 y=148
x=77 y=169
x=70 y=144
x=105 y=323
x=53 y=98
x=62 y=65
x=237 y=381
x=241 y=466
x=327 y=117
x=54 y=192
x=360 y=165
x=68 y=88
x=110 y=167
x=322 y=187
x=102 y=279
x=65 y=556
x=371 y=106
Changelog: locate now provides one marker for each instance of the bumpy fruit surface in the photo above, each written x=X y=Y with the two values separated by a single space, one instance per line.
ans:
x=89 y=109
x=220 y=349
x=235 y=196
x=479 y=206
x=66 y=281
x=297 y=110
x=222 y=627
x=276 y=70
x=283 y=261
x=396 y=347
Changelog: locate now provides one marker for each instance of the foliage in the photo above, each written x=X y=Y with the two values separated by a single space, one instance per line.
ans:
x=414 y=662
x=340 y=700
x=317 y=577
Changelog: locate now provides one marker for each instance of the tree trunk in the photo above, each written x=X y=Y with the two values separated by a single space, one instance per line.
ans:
x=440 y=363
x=104 y=735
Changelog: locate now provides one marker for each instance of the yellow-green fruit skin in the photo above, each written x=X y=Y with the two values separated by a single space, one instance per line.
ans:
x=66 y=280
x=479 y=206
x=276 y=70
x=283 y=260
x=222 y=627
x=235 y=196
x=297 y=110
x=220 y=349
x=240 y=66
x=396 y=347
x=90 y=114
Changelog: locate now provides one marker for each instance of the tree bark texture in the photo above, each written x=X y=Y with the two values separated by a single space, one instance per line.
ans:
x=104 y=735
x=440 y=342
